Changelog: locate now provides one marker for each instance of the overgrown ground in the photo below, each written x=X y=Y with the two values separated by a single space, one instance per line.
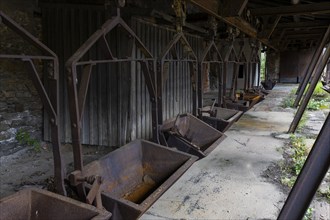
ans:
x=298 y=146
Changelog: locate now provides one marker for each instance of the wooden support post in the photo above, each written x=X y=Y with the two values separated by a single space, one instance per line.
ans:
x=317 y=74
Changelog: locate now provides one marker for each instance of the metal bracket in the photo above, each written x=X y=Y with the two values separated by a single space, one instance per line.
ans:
x=94 y=195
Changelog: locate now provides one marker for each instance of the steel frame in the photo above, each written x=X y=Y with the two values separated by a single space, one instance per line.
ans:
x=254 y=60
x=227 y=59
x=77 y=93
x=49 y=100
x=161 y=60
x=215 y=58
x=214 y=120
x=242 y=60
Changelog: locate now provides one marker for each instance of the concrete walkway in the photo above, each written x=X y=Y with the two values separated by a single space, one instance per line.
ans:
x=228 y=184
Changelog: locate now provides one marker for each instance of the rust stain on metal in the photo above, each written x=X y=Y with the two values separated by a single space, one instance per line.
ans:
x=42 y=204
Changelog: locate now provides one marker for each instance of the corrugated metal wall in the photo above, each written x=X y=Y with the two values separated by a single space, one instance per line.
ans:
x=177 y=91
x=118 y=106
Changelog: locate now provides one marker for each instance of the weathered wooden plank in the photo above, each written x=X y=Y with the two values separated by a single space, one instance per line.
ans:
x=268 y=31
x=211 y=7
x=307 y=24
x=314 y=8
x=232 y=8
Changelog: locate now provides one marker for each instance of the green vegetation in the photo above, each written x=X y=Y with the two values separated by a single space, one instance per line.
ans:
x=308 y=214
x=23 y=137
x=292 y=166
x=320 y=99
x=320 y=93
x=302 y=122
x=263 y=66
x=296 y=161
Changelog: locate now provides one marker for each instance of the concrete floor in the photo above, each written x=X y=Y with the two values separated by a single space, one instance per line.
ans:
x=228 y=184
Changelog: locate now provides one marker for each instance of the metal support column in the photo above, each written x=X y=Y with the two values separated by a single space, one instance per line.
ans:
x=310 y=177
x=316 y=77
x=220 y=84
x=311 y=68
x=259 y=73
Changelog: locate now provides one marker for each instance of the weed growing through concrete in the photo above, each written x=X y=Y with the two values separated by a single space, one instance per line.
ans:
x=296 y=161
x=288 y=101
x=291 y=168
x=320 y=99
x=302 y=122
x=24 y=138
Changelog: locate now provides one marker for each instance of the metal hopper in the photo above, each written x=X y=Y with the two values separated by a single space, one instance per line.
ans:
x=189 y=134
x=220 y=118
x=41 y=204
x=136 y=175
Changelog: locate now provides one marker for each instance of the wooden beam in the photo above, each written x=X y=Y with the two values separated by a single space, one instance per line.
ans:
x=268 y=31
x=211 y=7
x=299 y=33
x=315 y=8
x=243 y=25
x=171 y=19
x=308 y=24
x=232 y=8
x=303 y=36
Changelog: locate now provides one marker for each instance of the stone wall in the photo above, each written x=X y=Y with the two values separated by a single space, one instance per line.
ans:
x=20 y=105
x=272 y=65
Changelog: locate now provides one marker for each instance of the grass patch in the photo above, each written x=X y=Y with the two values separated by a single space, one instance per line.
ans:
x=319 y=100
x=296 y=159
x=296 y=156
x=24 y=138
x=292 y=167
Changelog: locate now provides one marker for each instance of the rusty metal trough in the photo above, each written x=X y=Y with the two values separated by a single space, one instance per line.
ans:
x=136 y=175
x=41 y=204
x=191 y=135
x=244 y=103
x=240 y=105
x=253 y=98
x=220 y=118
